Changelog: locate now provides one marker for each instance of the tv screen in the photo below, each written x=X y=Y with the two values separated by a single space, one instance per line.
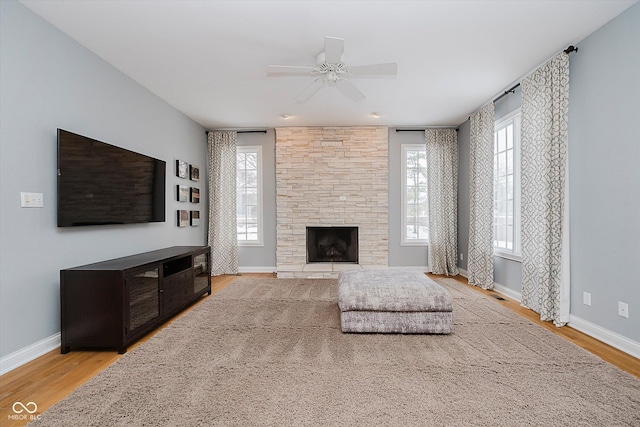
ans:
x=102 y=184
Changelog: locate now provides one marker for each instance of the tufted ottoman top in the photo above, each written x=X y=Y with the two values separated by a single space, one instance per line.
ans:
x=391 y=290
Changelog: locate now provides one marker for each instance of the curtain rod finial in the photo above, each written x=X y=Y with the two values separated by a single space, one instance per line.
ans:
x=570 y=49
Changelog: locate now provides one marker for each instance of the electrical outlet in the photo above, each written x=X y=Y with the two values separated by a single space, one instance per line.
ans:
x=31 y=200
x=461 y=256
x=586 y=298
x=623 y=309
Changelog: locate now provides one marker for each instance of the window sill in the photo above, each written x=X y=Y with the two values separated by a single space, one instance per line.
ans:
x=249 y=244
x=512 y=257
x=420 y=243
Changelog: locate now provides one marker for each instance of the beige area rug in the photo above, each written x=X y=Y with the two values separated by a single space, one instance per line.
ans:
x=270 y=352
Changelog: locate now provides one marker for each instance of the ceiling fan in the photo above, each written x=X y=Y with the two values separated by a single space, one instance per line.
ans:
x=331 y=71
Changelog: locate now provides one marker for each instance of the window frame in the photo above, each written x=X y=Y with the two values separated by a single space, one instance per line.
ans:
x=403 y=220
x=515 y=118
x=259 y=184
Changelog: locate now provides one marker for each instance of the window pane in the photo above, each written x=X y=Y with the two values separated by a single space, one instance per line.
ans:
x=251 y=199
x=411 y=232
x=509 y=156
x=251 y=178
x=252 y=160
x=422 y=177
x=422 y=159
x=240 y=178
x=422 y=196
x=502 y=139
x=411 y=195
x=509 y=136
x=502 y=163
x=423 y=232
x=412 y=158
x=411 y=180
x=502 y=188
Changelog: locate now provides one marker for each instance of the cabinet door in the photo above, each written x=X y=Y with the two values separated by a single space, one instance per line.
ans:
x=176 y=290
x=144 y=303
x=201 y=272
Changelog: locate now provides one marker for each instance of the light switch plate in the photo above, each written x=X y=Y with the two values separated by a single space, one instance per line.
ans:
x=31 y=200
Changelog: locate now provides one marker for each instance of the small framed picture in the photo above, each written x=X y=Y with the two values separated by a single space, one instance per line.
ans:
x=195 y=195
x=183 y=193
x=182 y=169
x=183 y=218
x=194 y=173
x=195 y=218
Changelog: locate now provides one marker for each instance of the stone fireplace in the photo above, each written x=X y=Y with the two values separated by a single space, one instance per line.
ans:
x=331 y=177
x=332 y=244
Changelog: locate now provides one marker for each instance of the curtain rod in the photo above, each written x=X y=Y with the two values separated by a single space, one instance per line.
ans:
x=506 y=92
x=425 y=128
x=568 y=50
x=244 y=131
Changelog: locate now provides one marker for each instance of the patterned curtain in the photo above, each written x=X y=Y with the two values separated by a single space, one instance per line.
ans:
x=480 y=258
x=545 y=208
x=222 y=202
x=442 y=189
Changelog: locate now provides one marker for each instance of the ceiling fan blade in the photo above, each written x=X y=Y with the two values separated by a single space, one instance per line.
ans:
x=349 y=90
x=288 y=70
x=310 y=90
x=390 y=69
x=333 y=48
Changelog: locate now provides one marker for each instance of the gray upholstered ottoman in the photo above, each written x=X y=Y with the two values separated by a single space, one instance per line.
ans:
x=393 y=301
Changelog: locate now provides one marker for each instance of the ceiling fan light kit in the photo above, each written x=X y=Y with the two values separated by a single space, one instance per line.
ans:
x=332 y=71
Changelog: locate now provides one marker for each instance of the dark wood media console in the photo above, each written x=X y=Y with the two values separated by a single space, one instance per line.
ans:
x=112 y=303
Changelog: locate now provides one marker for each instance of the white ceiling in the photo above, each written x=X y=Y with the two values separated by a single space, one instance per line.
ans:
x=209 y=58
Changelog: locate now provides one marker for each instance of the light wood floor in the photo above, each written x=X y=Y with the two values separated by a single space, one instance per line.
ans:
x=53 y=376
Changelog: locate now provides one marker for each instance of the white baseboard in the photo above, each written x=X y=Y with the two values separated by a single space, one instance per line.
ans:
x=606 y=336
x=463 y=273
x=508 y=292
x=257 y=269
x=30 y=352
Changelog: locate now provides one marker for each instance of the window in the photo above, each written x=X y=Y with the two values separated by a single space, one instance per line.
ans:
x=249 y=196
x=415 y=207
x=506 y=187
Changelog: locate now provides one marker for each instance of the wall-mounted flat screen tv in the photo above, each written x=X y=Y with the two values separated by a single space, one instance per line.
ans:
x=101 y=184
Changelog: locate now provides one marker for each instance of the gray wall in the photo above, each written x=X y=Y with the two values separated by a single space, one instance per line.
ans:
x=251 y=258
x=50 y=81
x=604 y=176
x=464 y=131
x=604 y=156
x=401 y=256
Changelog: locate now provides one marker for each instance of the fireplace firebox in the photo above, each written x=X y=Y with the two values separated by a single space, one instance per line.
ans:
x=332 y=244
